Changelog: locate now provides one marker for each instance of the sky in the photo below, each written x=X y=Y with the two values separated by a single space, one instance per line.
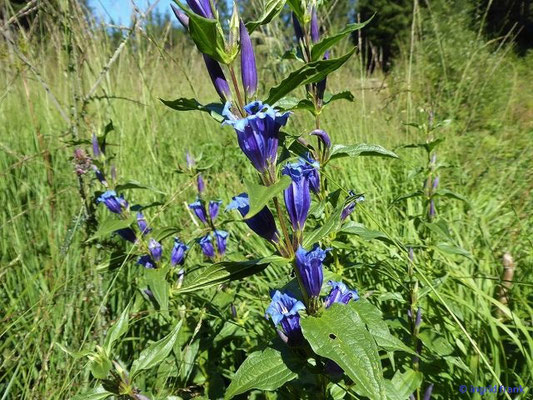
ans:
x=119 y=11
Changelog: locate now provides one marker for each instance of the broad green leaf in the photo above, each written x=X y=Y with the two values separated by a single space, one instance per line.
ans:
x=362 y=231
x=292 y=103
x=136 y=185
x=298 y=7
x=406 y=383
x=157 y=282
x=160 y=234
x=318 y=50
x=215 y=274
x=186 y=359
x=208 y=36
x=362 y=149
x=418 y=193
x=440 y=228
x=339 y=334
x=100 y=365
x=309 y=73
x=260 y=195
x=112 y=224
x=329 y=225
x=119 y=328
x=183 y=104
x=156 y=352
x=451 y=195
x=345 y=95
x=453 y=249
x=98 y=393
x=272 y=9
x=379 y=329
x=267 y=369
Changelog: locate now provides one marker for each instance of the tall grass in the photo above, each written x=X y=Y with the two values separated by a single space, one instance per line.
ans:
x=58 y=291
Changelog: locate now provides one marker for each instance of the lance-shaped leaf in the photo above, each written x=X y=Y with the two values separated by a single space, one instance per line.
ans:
x=329 y=225
x=272 y=9
x=353 y=228
x=339 y=334
x=156 y=352
x=225 y=271
x=118 y=329
x=157 y=282
x=356 y=150
x=260 y=195
x=111 y=225
x=267 y=369
x=318 y=50
x=98 y=393
x=297 y=7
x=429 y=146
x=183 y=104
x=309 y=73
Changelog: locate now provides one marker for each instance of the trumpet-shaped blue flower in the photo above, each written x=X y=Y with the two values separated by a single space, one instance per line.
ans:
x=214 y=206
x=177 y=256
x=258 y=132
x=262 y=223
x=351 y=206
x=200 y=184
x=207 y=246
x=284 y=311
x=155 y=249
x=199 y=209
x=311 y=166
x=323 y=136
x=309 y=264
x=315 y=31
x=127 y=234
x=221 y=237
x=340 y=294
x=297 y=196
x=248 y=67
x=142 y=224
x=114 y=203
x=146 y=261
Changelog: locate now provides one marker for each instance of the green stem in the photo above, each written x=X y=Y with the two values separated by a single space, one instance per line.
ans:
x=240 y=99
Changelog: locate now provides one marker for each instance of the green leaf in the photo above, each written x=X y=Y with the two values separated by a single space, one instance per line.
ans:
x=260 y=195
x=157 y=282
x=453 y=249
x=267 y=369
x=292 y=103
x=136 y=185
x=406 y=383
x=215 y=274
x=345 y=95
x=208 y=36
x=329 y=225
x=309 y=73
x=98 y=393
x=272 y=9
x=119 y=328
x=100 y=365
x=156 y=352
x=297 y=7
x=318 y=50
x=362 y=231
x=379 y=329
x=184 y=104
x=451 y=195
x=339 y=334
x=429 y=146
x=112 y=224
x=418 y=193
x=362 y=149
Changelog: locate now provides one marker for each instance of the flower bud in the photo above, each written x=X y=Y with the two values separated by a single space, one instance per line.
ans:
x=248 y=67
x=315 y=32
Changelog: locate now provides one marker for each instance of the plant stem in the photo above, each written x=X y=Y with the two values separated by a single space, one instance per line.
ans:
x=240 y=99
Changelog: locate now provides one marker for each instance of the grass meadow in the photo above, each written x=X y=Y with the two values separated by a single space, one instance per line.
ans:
x=60 y=293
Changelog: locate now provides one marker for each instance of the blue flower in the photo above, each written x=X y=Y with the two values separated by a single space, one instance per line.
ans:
x=114 y=203
x=248 y=67
x=213 y=209
x=284 y=310
x=189 y=159
x=200 y=184
x=221 y=237
x=311 y=167
x=323 y=136
x=146 y=261
x=257 y=133
x=297 y=196
x=340 y=294
x=207 y=246
x=262 y=223
x=199 y=209
x=96 y=146
x=177 y=257
x=315 y=31
x=127 y=234
x=309 y=264
x=142 y=224
x=218 y=78
x=351 y=206
x=100 y=176
x=298 y=31
x=155 y=249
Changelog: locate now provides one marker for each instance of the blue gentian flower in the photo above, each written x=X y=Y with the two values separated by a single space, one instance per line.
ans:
x=200 y=184
x=127 y=234
x=214 y=206
x=321 y=86
x=309 y=264
x=199 y=209
x=315 y=31
x=432 y=211
x=189 y=159
x=262 y=223
x=311 y=166
x=284 y=310
x=248 y=67
x=155 y=249
x=340 y=294
x=257 y=133
x=297 y=196
x=207 y=246
x=323 y=136
x=435 y=183
x=181 y=16
x=177 y=257
x=146 y=261
x=298 y=31
x=351 y=206
x=142 y=224
x=221 y=237
x=100 y=176
x=96 y=147
x=114 y=203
